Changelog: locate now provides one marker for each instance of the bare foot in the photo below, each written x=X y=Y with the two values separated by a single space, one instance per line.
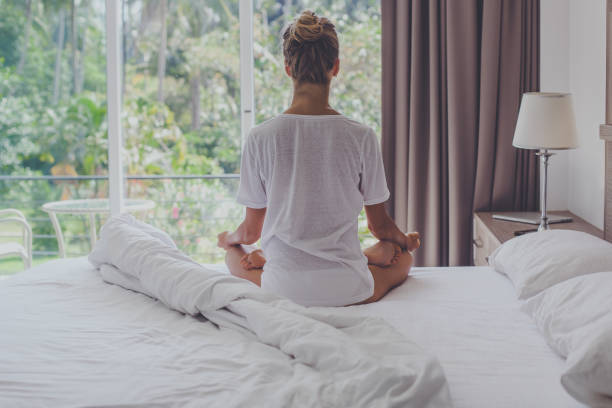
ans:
x=253 y=260
x=383 y=253
x=413 y=241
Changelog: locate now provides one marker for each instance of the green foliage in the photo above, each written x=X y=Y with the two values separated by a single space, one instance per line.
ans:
x=18 y=140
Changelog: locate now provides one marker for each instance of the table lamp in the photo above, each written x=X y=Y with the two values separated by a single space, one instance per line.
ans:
x=545 y=122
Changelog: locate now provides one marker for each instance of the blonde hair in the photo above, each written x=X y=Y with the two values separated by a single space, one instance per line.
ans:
x=310 y=48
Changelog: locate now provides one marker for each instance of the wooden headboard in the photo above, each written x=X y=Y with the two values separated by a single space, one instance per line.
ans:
x=605 y=130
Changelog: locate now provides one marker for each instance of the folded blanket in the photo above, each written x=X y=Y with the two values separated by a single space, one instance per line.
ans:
x=335 y=360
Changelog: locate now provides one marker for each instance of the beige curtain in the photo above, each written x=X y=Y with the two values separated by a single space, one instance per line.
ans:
x=453 y=75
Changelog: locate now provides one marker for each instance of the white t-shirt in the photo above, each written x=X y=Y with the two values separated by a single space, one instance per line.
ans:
x=313 y=173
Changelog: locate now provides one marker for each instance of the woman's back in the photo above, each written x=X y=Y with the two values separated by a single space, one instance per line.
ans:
x=313 y=173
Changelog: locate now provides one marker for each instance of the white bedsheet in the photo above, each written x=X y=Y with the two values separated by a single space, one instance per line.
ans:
x=491 y=352
x=468 y=317
x=71 y=340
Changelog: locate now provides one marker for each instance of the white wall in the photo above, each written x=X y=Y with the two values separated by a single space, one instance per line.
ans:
x=572 y=47
x=554 y=77
x=587 y=71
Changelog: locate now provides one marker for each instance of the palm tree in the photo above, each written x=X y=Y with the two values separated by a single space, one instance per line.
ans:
x=161 y=56
x=73 y=43
x=58 y=55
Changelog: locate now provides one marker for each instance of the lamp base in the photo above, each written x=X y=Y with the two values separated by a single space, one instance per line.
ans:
x=544 y=155
x=533 y=218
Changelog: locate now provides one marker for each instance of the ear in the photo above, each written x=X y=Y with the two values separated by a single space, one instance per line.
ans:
x=336 y=67
x=288 y=70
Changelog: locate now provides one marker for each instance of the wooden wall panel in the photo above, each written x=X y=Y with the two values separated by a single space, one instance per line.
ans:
x=608 y=195
x=605 y=131
x=609 y=62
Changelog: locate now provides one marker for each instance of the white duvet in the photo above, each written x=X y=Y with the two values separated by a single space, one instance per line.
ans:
x=250 y=349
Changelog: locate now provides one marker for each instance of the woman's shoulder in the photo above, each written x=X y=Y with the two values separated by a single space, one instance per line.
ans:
x=338 y=119
x=357 y=126
x=267 y=127
x=284 y=121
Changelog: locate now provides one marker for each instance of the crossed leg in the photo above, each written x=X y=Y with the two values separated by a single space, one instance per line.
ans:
x=388 y=264
x=390 y=276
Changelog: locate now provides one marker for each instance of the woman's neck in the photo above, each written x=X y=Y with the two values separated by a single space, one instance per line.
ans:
x=310 y=99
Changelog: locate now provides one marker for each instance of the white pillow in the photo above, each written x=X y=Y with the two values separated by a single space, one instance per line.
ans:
x=568 y=313
x=588 y=377
x=538 y=260
x=575 y=317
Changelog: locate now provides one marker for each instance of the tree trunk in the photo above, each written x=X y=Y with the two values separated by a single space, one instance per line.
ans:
x=128 y=41
x=58 y=56
x=85 y=4
x=129 y=22
x=26 y=37
x=161 y=56
x=287 y=8
x=194 y=84
x=146 y=15
x=81 y=67
x=73 y=43
x=124 y=33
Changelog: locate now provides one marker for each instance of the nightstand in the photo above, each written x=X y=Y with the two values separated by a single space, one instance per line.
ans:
x=490 y=233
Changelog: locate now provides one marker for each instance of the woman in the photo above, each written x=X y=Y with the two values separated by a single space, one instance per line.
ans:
x=305 y=176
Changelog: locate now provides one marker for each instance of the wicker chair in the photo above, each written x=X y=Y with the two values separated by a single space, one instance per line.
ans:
x=24 y=249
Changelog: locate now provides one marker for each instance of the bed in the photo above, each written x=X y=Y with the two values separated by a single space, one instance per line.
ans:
x=70 y=339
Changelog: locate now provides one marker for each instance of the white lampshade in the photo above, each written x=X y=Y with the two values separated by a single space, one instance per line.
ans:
x=546 y=121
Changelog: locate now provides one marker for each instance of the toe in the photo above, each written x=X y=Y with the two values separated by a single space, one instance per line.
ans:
x=413 y=241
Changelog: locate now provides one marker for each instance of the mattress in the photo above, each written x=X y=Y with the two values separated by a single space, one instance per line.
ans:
x=62 y=327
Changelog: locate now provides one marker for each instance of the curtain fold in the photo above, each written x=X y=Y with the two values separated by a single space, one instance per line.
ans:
x=453 y=75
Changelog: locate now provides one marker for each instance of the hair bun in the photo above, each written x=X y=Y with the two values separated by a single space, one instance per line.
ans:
x=309 y=27
x=310 y=48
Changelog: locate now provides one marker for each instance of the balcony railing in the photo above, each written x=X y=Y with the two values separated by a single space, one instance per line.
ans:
x=193 y=209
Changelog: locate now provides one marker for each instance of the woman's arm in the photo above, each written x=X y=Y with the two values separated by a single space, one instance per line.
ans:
x=247 y=233
x=384 y=229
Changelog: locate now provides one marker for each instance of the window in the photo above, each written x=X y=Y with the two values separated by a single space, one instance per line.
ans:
x=193 y=77
x=53 y=142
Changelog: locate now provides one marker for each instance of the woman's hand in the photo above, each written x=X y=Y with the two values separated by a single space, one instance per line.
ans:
x=383 y=228
x=412 y=241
